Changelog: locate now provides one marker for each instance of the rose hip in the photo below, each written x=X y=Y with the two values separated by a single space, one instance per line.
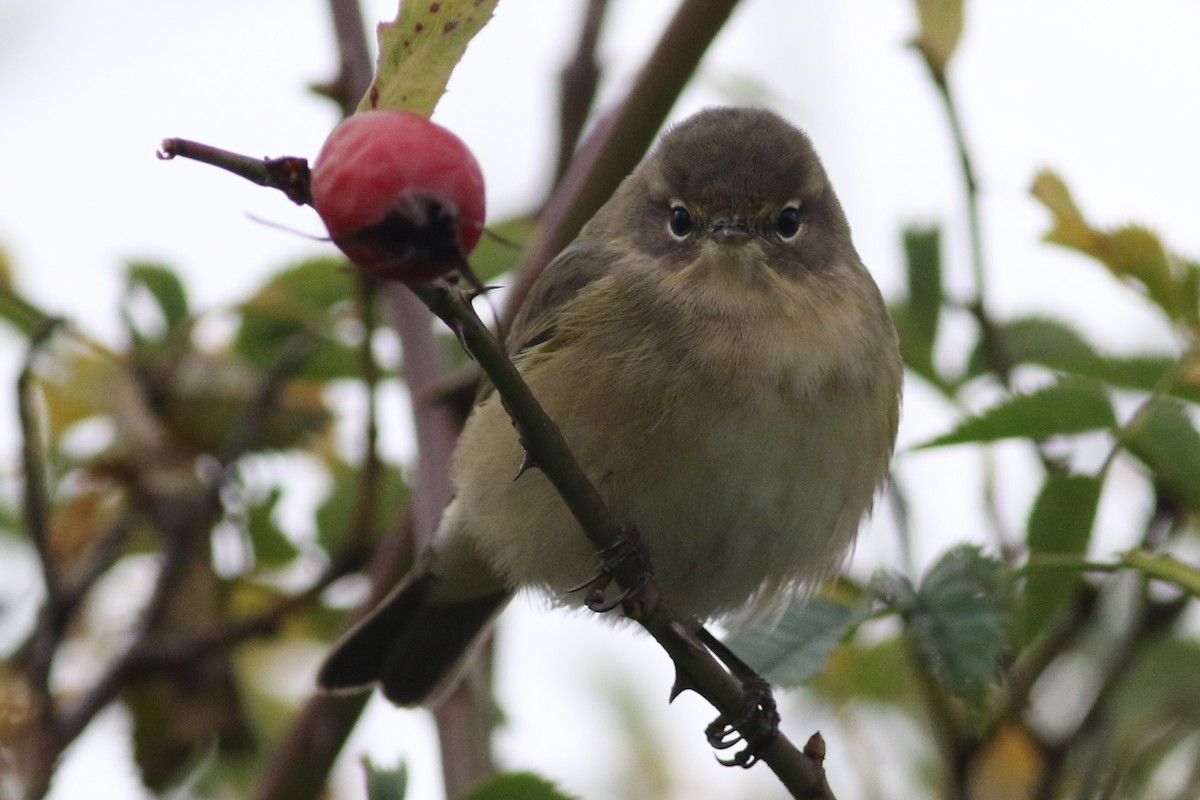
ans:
x=400 y=195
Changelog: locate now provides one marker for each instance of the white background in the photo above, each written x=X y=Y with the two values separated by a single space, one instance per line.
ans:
x=1103 y=92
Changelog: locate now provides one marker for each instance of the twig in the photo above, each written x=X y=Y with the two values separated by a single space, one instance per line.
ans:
x=162 y=655
x=354 y=76
x=577 y=86
x=359 y=537
x=299 y=768
x=288 y=174
x=464 y=723
x=47 y=635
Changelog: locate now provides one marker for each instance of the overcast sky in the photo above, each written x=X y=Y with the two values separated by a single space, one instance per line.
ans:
x=1104 y=93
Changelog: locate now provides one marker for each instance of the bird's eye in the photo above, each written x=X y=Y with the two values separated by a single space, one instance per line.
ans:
x=681 y=222
x=788 y=223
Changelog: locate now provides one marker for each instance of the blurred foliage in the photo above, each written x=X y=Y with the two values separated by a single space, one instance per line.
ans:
x=1040 y=666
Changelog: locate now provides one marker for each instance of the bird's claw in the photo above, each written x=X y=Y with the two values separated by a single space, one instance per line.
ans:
x=756 y=725
x=627 y=545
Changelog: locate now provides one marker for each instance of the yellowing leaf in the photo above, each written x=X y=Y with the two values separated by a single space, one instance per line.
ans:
x=941 y=28
x=79 y=381
x=1130 y=252
x=419 y=50
x=1008 y=766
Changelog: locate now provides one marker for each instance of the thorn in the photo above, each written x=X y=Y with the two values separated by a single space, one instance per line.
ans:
x=681 y=685
x=527 y=463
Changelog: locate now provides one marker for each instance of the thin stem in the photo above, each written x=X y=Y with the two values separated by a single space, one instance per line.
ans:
x=355 y=73
x=577 y=86
x=288 y=174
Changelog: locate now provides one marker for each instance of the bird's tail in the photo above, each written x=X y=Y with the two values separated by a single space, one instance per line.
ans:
x=414 y=644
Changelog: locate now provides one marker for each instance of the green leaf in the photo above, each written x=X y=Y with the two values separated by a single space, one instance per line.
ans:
x=923 y=255
x=21 y=314
x=166 y=291
x=956 y=619
x=315 y=297
x=164 y=286
x=1165 y=567
x=337 y=513
x=272 y=548
x=419 y=50
x=500 y=248
x=1072 y=405
x=385 y=783
x=1060 y=523
x=1166 y=441
x=791 y=650
x=879 y=672
x=516 y=786
x=1055 y=345
x=917 y=318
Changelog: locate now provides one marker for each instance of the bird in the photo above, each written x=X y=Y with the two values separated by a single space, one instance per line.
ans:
x=724 y=369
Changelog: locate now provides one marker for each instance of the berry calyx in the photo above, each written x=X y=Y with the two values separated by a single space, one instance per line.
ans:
x=400 y=195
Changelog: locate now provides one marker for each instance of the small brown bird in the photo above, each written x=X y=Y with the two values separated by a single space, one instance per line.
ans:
x=724 y=369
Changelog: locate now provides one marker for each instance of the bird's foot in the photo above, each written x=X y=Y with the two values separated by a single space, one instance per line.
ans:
x=628 y=545
x=756 y=724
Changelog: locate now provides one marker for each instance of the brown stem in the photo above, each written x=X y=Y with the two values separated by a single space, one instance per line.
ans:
x=288 y=174
x=36 y=509
x=355 y=73
x=577 y=86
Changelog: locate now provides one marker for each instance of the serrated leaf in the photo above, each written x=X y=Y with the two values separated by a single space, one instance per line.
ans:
x=957 y=620
x=1056 y=345
x=164 y=286
x=419 y=50
x=1130 y=251
x=385 y=783
x=1036 y=340
x=517 y=786
x=1166 y=441
x=1165 y=567
x=1070 y=406
x=790 y=650
x=941 y=28
x=1060 y=523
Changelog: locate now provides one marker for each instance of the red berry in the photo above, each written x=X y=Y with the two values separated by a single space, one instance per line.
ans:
x=400 y=195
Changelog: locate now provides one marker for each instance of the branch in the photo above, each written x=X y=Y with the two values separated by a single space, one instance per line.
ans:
x=577 y=87
x=355 y=73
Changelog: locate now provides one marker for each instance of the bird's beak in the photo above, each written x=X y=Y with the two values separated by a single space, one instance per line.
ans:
x=731 y=231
